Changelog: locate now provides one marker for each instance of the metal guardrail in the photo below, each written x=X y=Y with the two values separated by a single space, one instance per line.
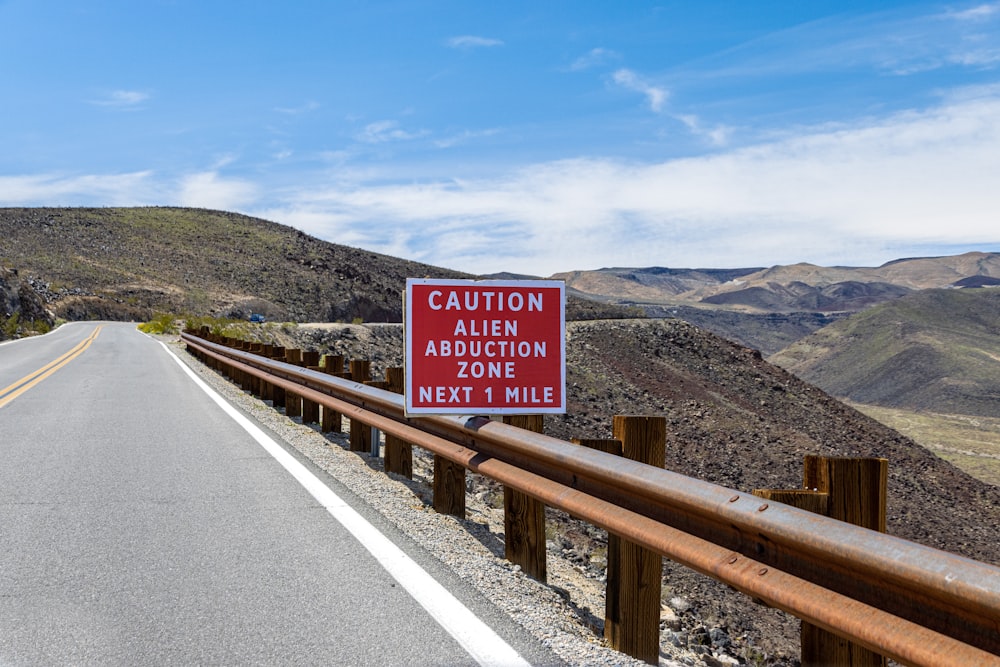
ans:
x=914 y=604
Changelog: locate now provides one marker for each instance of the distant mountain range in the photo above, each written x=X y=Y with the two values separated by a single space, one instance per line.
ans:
x=785 y=289
x=769 y=309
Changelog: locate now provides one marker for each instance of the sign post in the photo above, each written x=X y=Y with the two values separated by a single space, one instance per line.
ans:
x=487 y=347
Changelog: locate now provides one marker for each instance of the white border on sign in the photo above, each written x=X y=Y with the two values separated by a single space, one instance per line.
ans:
x=480 y=410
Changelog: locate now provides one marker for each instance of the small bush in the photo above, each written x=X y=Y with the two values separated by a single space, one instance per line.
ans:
x=162 y=323
x=10 y=326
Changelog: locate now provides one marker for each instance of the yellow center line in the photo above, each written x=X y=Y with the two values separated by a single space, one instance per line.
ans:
x=9 y=393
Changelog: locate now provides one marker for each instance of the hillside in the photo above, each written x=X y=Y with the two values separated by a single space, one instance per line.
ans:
x=126 y=263
x=733 y=419
x=767 y=332
x=936 y=350
x=21 y=309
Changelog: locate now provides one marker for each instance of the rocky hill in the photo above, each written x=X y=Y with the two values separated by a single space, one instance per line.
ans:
x=733 y=419
x=21 y=308
x=768 y=309
x=126 y=263
x=933 y=350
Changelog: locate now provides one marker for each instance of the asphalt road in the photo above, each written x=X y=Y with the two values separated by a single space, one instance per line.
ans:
x=141 y=524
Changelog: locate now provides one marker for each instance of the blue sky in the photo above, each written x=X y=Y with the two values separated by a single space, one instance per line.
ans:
x=523 y=136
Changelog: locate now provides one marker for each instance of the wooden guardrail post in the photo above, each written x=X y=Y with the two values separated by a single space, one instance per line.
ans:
x=266 y=388
x=524 y=516
x=370 y=434
x=398 y=452
x=293 y=402
x=449 y=487
x=245 y=379
x=310 y=409
x=632 y=607
x=256 y=384
x=361 y=434
x=853 y=490
x=360 y=370
x=278 y=393
x=330 y=420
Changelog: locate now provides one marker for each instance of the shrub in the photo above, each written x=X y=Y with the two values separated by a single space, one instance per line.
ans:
x=9 y=328
x=162 y=323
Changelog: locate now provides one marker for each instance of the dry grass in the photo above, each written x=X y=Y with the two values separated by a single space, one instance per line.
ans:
x=970 y=442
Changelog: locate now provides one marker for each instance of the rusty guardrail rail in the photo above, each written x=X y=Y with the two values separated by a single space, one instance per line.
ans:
x=912 y=603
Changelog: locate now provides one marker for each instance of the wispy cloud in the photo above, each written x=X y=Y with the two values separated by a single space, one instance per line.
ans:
x=202 y=189
x=209 y=190
x=301 y=109
x=594 y=58
x=387 y=130
x=465 y=137
x=903 y=42
x=122 y=99
x=655 y=95
x=717 y=135
x=978 y=13
x=126 y=189
x=472 y=42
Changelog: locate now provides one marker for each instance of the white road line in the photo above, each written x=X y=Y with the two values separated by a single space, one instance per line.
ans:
x=475 y=636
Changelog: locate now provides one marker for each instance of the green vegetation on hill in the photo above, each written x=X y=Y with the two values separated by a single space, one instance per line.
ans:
x=936 y=350
x=971 y=443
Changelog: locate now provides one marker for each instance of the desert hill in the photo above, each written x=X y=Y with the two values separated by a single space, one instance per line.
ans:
x=933 y=350
x=21 y=308
x=787 y=288
x=126 y=263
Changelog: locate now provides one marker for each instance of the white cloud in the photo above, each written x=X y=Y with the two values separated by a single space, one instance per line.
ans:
x=655 y=95
x=302 y=109
x=386 y=130
x=716 y=136
x=54 y=190
x=208 y=190
x=594 y=58
x=978 y=13
x=464 y=137
x=122 y=99
x=472 y=41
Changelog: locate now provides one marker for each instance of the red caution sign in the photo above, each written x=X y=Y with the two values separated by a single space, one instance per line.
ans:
x=485 y=347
